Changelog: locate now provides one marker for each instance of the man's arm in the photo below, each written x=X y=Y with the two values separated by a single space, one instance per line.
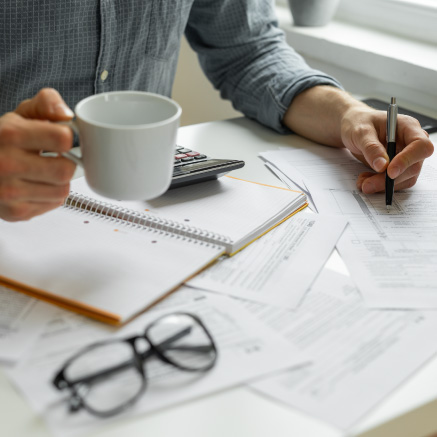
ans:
x=244 y=54
x=330 y=116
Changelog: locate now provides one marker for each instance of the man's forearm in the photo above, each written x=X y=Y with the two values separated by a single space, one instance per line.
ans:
x=317 y=112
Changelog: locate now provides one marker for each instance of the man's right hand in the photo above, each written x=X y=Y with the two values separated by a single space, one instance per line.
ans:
x=31 y=184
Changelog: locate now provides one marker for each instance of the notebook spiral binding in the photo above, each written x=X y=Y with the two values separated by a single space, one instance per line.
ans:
x=131 y=218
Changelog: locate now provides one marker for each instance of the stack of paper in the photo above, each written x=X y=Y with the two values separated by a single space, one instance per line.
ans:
x=283 y=324
x=391 y=257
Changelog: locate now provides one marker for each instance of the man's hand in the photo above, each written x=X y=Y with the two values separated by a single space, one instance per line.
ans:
x=364 y=134
x=31 y=184
x=330 y=116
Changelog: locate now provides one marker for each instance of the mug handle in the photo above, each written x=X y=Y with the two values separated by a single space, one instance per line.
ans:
x=71 y=156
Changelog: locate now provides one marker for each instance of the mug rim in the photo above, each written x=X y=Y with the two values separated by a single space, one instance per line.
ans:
x=134 y=126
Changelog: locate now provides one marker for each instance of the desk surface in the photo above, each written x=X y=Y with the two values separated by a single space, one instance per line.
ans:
x=408 y=412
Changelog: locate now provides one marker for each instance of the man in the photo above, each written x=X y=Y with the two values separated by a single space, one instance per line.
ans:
x=83 y=47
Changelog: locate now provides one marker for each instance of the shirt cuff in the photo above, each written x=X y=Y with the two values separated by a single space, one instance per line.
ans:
x=276 y=101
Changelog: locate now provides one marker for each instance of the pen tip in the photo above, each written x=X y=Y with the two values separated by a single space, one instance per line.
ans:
x=393 y=100
x=388 y=208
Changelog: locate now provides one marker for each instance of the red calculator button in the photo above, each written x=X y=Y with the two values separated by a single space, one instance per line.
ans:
x=193 y=153
x=180 y=156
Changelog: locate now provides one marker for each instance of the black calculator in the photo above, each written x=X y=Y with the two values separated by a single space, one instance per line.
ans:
x=191 y=167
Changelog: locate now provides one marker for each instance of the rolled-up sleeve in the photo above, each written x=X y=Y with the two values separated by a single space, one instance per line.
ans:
x=245 y=56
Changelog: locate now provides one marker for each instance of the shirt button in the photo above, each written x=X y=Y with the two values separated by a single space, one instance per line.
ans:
x=104 y=75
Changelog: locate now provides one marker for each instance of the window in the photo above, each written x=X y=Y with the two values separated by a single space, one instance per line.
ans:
x=414 y=19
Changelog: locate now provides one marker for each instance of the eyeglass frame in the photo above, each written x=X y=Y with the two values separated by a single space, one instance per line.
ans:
x=76 y=401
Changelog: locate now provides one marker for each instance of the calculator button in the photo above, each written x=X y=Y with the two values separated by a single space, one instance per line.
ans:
x=177 y=161
x=184 y=150
x=180 y=156
x=200 y=157
x=193 y=153
x=187 y=159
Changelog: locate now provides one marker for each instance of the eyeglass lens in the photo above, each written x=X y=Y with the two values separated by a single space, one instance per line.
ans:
x=108 y=376
x=191 y=348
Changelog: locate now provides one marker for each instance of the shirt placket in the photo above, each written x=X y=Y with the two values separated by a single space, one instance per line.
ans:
x=104 y=80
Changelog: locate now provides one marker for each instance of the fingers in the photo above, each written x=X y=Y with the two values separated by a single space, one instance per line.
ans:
x=19 y=164
x=35 y=168
x=364 y=134
x=369 y=186
x=22 y=199
x=46 y=105
x=34 y=135
x=25 y=192
x=25 y=211
x=370 y=183
x=418 y=147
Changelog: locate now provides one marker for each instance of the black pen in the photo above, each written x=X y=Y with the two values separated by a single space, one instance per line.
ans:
x=392 y=115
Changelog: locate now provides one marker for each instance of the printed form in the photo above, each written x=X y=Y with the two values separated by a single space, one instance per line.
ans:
x=391 y=257
x=247 y=349
x=334 y=168
x=22 y=320
x=360 y=355
x=279 y=268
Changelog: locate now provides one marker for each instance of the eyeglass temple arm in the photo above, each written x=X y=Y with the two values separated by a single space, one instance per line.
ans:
x=167 y=345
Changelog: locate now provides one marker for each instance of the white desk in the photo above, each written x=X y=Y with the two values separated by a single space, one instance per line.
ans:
x=240 y=412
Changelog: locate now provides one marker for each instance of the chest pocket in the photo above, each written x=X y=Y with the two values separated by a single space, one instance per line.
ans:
x=167 y=22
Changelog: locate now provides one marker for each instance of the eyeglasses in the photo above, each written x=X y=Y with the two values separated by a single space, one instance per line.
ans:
x=106 y=377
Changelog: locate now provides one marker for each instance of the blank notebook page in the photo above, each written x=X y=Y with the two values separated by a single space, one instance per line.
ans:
x=98 y=261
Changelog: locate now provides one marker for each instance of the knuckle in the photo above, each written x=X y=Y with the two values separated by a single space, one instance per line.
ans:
x=65 y=137
x=46 y=93
x=410 y=182
x=22 y=105
x=44 y=101
x=61 y=136
x=10 y=134
x=8 y=166
x=372 y=148
x=415 y=168
x=64 y=172
x=361 y=130
x=413 y=122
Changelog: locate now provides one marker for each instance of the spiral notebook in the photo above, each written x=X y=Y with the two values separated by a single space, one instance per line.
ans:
x=113 y=260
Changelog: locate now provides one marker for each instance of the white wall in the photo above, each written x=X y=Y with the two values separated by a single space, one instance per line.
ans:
x=199 y=100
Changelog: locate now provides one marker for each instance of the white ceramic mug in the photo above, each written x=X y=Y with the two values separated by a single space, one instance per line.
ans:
x=312 y=12
x=127 y=142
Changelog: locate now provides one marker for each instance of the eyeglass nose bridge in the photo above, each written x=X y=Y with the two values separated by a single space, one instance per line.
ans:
x=75 y=403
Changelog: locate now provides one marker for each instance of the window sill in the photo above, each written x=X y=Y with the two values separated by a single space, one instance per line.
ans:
x=368 y=61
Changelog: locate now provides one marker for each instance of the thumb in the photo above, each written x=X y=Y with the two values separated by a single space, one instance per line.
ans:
x=46 y=105
x=372 y=149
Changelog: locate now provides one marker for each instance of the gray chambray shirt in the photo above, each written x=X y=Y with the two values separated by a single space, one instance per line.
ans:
x=83 y=47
